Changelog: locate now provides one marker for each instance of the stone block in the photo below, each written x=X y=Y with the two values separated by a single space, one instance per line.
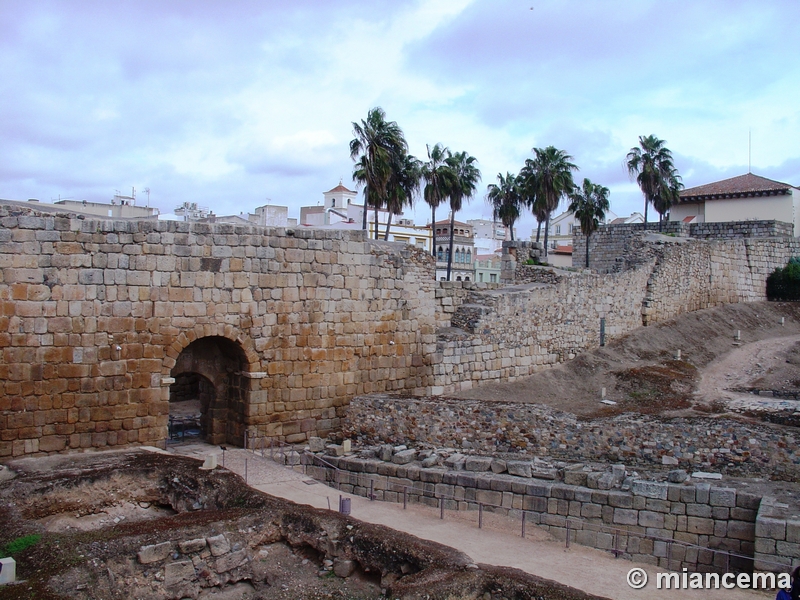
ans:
x=218 y=545
x=577 y=478
x=177 y=572
x=8 y=570
x=725 y=497
x=650 y=489
x=231 y=561
x=620 y=500
x=385 y=452
x=343 y=567
x=316 y=444
x=404 y=457
x=792 y=531
x=624 y=516
x=431 y=461
x=478 y=463
x=542 y=472
x=498 y=466
x=771 y=528
x=700 y=525
x=651 y=519
x=519 y=468
x=190 y=546
x=154 y=552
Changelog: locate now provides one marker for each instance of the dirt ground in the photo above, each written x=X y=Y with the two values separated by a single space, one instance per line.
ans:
x=100 y=518
x=641 y=373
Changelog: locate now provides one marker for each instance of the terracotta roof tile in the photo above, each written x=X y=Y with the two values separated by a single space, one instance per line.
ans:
x=748 y=185
x=340 y=188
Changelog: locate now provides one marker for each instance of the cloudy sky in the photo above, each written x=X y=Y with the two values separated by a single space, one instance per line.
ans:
x=232 y=103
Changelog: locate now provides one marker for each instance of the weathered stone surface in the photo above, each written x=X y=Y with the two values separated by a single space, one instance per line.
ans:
x=478 y=463
x=154 y=553
x=385 y=452
x=650 y=489
x=343 y=567
x=404 y=457
x=431 y=461
x=231 y=561
x=190 y=546
x=177 y=572
x=218 y=545
x=316 y=444
x=677 y=476
x=520 y=468
x=498 y=466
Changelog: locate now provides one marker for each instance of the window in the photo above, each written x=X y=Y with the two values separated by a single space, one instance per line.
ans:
x=439 y=254
x=557 y=230
x=333 y=203
x=571 y=227
x=493 y=278
x=469 y=256
x=466 y=278
x=458 y=278
x=480 y=276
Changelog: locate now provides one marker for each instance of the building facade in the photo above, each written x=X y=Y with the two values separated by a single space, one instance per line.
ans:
x=744 y=198
x=462 y=267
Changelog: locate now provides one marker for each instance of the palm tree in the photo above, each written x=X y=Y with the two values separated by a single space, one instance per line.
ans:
x=402 y=188
x=589 y=204
x=528 y=194
x=437 y=178
x=505 y=199
x=550 y=180
x=375 y=148
x=651 y=165
x=668 y=194
x=465 y=176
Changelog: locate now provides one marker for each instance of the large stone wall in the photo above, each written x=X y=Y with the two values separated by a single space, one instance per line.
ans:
x=99 y=318
x=611 y=245
x=511 y=332
x=94 y=316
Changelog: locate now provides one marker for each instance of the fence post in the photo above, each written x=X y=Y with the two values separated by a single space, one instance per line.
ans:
x=441 y=507
x=245 y=471
x=480 y=516
x=567 y=533
x=371 y=490
x=523 y=523
x=405 y=496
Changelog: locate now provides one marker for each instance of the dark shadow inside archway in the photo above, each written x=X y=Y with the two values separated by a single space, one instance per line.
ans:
x=210 y=393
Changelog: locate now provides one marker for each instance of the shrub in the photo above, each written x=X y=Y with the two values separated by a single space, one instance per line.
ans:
x=784 y=283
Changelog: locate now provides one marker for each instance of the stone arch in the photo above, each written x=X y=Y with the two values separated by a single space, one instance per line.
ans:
x=210 y=380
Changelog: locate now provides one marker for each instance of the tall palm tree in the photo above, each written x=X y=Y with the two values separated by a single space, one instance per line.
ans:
x=465 y=176
x=550 y=180
x=589 y=203
x=437 y=178
x=651 y=165
x=375 y=148
x=506 y=199
x=402 y=188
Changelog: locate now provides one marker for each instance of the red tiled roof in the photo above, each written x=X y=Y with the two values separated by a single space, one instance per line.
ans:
x=340 y=188
x=743 y=186
x=618 y=221
x=562 y=250
x=689 y=219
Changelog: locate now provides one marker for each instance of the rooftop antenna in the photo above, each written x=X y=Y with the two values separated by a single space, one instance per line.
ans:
x=749 y=151
x=147 y=191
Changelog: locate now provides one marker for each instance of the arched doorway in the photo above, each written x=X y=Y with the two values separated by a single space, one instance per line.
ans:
x=210 y=393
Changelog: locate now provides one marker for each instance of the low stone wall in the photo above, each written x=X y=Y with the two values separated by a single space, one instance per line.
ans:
x=777 y=535
x=670 y=525
x=450 y=295
x=537 y=430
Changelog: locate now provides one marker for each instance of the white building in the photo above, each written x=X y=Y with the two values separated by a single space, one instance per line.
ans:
x=339 y=211
x=488 y=235
x=743 y=198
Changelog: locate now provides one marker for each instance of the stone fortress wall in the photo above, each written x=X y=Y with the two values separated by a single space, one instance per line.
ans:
x=95 y=316
x=99 y=318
